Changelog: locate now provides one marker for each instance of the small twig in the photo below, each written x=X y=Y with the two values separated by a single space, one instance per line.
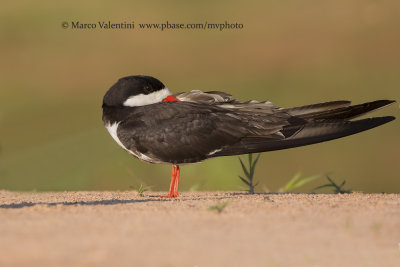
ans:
x=249 y=173
x=337 y=189
x=141 y=189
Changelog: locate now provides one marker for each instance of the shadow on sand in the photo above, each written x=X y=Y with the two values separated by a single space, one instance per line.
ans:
x=150 y=198
x=76 y=203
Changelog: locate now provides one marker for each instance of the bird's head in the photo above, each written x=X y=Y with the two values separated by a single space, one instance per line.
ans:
x=133 y=91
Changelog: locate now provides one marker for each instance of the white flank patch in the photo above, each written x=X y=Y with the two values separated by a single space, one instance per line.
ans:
x=112 y=129
x=152 y=98
x=214 y=151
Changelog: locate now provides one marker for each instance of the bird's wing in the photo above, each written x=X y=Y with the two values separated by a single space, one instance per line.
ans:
x=337 y=111
x=184 y=132
x=301 y=135
x=314 y=124
x=322 y=111
x=225 y=100
x=306 y=124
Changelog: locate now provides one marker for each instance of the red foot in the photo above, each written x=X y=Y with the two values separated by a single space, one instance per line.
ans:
x=169 y=196
x=173 y=187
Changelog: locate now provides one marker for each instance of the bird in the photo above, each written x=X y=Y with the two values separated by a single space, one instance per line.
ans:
x=156 y=126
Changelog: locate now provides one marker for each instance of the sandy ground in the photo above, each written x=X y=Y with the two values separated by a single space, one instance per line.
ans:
x=123 y=229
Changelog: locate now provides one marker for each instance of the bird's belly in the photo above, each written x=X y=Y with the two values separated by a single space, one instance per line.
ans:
x=112 y=129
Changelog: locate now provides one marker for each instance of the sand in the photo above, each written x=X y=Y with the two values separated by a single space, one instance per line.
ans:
x=124 y=229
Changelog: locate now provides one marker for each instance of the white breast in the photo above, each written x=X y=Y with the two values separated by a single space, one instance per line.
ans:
x=112 y=129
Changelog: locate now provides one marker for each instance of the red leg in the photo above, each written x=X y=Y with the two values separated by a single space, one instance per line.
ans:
x=174 y=182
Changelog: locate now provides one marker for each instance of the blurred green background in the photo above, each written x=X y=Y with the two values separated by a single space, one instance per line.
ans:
x=289 y=52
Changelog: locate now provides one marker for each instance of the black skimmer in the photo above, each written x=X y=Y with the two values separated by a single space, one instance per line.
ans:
x=150 y=123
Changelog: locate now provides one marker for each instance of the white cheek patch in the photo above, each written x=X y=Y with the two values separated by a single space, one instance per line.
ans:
x=142 y=99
